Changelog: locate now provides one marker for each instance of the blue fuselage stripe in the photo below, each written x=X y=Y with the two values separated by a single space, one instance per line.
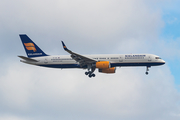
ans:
x=112 y=65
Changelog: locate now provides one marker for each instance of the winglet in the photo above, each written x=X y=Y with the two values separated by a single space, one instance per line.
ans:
x=64 y=46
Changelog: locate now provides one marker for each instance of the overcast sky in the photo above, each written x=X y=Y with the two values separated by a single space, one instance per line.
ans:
x=90 y=27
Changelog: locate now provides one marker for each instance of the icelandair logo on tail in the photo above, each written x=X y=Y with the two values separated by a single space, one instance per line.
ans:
x=30 y=46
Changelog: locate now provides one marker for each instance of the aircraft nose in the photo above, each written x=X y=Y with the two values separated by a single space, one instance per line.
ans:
x=163 y=62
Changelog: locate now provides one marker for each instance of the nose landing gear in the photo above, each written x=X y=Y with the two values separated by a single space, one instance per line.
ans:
x=147 y=69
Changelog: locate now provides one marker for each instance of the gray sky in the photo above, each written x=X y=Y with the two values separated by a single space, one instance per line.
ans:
x=87 y=27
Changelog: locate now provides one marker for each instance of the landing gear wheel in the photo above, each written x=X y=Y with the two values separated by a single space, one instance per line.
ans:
x=90 y=75
x=86 y=73
x=90 y=71
x=147 y=69
x=93 y=75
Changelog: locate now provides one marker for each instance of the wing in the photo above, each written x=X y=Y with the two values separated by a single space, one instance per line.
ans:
x=83 y=60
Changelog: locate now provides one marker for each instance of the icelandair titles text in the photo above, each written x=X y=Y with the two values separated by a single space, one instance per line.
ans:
x=34 y=53
x=135 y=56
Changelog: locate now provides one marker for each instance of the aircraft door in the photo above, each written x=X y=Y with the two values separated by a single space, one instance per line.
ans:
x=45 y=61
x=121 y=59
x=149 y=58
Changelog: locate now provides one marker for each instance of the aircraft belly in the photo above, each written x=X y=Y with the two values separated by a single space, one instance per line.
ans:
x=136 y=64
x=61 y=65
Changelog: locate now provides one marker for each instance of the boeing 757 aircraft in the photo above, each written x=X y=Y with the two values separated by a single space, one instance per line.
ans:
x=104 y=63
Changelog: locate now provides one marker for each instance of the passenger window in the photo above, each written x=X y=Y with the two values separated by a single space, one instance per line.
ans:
x=157 y=57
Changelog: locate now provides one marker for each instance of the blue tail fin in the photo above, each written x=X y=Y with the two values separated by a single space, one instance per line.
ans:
x=32 y=50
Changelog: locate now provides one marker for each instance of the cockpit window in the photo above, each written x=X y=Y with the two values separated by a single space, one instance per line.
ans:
x=157 y=57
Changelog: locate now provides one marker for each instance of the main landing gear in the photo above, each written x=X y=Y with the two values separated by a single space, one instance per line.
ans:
x=90 y=72
x=147 y=69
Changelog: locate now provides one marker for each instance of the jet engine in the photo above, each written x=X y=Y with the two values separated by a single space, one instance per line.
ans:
x=103 y=64
x=108 y=70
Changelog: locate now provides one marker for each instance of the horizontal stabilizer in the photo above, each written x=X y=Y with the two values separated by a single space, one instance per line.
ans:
x=28 y=59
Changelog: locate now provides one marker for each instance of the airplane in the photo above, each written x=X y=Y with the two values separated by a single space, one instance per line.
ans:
x=105 y=63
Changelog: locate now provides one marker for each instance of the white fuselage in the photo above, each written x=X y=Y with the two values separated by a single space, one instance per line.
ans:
x=106 y=63
x=65 y=61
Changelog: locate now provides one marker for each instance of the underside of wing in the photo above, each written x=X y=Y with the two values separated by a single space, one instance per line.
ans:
x=83 y=60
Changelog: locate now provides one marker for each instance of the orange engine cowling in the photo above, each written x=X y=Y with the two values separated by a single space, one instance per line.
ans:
x=103 y=64
x=108 y=70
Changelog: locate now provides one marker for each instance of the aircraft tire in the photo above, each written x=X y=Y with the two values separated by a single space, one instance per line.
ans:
x=93 y=75
x=90 y=75
x=86 y=73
